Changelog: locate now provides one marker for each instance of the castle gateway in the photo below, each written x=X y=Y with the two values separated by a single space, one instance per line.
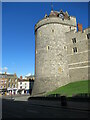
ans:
x=61 y=53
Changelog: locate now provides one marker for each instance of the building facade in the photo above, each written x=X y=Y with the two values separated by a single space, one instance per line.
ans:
x=8 y=83
x=12 y=83
x=3 y=83
x=31 y=79
x=23 y=86
x=61 y=53
x=78 y=49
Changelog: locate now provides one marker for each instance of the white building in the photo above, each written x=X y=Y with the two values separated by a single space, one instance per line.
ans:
x=23 y=86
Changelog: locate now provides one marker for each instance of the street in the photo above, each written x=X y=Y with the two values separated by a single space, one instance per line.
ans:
x=39 y=109
x=17 y=97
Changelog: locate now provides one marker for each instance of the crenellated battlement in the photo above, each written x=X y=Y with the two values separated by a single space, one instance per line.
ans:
x=57 y=19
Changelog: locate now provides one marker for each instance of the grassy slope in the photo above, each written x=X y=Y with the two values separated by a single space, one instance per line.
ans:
x=72 y=88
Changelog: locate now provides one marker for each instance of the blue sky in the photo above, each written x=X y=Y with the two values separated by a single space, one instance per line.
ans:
x=18 y=39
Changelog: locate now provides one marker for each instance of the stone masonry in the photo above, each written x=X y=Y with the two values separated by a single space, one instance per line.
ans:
x=59 y=61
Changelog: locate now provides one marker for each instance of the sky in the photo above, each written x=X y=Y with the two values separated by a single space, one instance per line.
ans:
x=18 y=38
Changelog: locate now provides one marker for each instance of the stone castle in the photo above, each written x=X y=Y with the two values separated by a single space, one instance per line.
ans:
x=61 y=52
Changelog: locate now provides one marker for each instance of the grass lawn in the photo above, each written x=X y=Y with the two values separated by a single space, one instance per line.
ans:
x=72 y=88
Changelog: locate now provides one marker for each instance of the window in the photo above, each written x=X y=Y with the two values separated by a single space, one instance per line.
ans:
x=20 y=83
x=20 y=87
x=48 y=47
x=74 y=40
x=12 y=85
x=64 y=47
x=9 y=80
x=61 y=16
x=75 y=49
x=52 y=30
x=88 y=35
x=70 y=28
x=15 y=80
x=9 y=85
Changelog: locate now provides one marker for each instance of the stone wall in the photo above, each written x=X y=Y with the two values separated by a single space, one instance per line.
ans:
x=56 y=62
x=51 y=54
x=78 y=62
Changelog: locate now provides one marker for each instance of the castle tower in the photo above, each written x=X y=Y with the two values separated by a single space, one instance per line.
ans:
x=51 y=67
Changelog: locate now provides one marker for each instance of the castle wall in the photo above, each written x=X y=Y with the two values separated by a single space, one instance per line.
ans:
x=79 y=61
x=58 y=59
x=51 y=54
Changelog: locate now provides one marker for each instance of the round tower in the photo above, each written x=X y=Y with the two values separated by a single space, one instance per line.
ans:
x=51 y=67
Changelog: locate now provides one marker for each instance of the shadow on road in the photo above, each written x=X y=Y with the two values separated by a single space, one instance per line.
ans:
x=43 y=109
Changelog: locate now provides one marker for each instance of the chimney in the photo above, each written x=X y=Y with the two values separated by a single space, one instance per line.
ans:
x=79 y=26
x=20 y=77
x=5 y=73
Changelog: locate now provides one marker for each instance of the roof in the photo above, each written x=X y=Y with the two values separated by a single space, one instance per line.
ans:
x=8 y=74
x=3 y=74
x=23 y=80
x=32 y=77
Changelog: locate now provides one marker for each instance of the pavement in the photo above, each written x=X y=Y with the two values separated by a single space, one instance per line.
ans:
x=17 y=97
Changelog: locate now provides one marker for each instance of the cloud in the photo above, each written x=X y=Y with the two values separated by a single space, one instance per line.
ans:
x=4 y=72
x=8 y=73
x=29 y=74
x=5 y=68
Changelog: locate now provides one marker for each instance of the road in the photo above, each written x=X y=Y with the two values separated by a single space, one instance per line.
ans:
x=17 y=97
x=39 y=109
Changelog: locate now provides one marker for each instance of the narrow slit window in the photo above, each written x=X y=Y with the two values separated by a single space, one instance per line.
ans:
x=88 y=35
x=74 y=40
x=36 y=51
x=48 y=47
x=52 y=30
x=75 y=49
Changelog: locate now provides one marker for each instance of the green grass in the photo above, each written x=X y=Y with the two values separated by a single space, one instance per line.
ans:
x=72 y=88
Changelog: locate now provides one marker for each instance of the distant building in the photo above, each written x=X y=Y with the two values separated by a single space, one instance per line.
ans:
x=12 y=83
x=8 y=83
x=3 y=83
x=23 y=86
x=31 y=79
